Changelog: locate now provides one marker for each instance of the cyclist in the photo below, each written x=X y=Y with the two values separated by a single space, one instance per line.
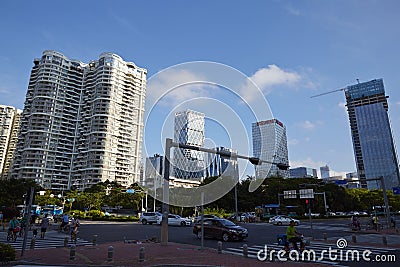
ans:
x=13 y=229
x=23 y=226
x=64 y=222
x=293 y=237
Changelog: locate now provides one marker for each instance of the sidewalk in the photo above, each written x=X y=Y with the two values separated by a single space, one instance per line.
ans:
x=127 y=254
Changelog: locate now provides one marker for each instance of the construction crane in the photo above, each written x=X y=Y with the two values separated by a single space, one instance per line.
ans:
x=342 y=89
x=337 y=90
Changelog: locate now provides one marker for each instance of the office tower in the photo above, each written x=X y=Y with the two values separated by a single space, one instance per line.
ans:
x=303 y=172
x=270 y=144
x=217 y=164
x=82 y=123
x=189 y=130
x=325 y=173
x=154 y=171
x=10 y=119
x=373 y=143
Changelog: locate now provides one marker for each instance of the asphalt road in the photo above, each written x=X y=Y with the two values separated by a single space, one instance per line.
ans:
x=259 y=233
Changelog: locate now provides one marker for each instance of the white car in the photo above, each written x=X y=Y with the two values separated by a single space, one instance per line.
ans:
x=283 y=220
x=174 y=219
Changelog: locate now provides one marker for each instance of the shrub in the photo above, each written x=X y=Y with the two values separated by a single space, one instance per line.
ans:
x=7 y=253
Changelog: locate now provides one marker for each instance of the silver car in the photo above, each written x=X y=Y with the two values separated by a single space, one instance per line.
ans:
x=283 y=220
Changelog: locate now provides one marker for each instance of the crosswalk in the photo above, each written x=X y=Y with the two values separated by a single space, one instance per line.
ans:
x=53 y=239
x=337 y=257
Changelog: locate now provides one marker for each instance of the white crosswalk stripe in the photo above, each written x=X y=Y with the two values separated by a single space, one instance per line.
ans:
x=52 y=239
x=269 y=253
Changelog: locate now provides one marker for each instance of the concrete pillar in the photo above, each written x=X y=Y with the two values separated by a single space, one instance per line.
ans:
x=33 y=241
x=219 y=248
x=72 y=252
x=110 y=253
x=245 y=251
x=141 y=254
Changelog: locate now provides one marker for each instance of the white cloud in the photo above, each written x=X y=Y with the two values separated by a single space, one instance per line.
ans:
x=267 y=78
x=307 y=125
x=293 y=142
x=172 y=87
x=292 y=10
x=342 y=105
x=4 y=90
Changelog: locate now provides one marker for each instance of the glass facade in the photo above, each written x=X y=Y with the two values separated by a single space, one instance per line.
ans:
x=373 y=142
x=189 y=130
x=270 y=144
x=303 y=172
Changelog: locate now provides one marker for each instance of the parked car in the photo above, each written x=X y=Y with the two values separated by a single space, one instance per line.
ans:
x=174 y=219
x=283 y=220
x=220 y=229
x=206 y=216
x=150 y=218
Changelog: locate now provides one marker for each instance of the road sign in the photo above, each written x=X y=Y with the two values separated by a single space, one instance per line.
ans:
x=130 y=191
x=396 y=190
x=290 y=194
x=306 y=193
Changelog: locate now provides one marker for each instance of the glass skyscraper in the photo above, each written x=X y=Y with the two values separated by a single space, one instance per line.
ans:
x=189 y=130
x=270 y=144
x=373 y=144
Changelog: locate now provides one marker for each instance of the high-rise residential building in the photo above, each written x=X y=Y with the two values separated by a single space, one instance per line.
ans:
x=303 y=172
x=10 y=119
x=373 y=143
x=189 y=130
x=82 y=123
x=270 y=144
x=218 y=164
x=325 y=172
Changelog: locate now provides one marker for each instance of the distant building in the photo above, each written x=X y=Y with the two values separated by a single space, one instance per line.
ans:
x=189 y=130
x=10 y=119
x=270 y=144
x=303 y=172
x=325 y=173
x=217 y=164
x=154 y=171
x=373 y=144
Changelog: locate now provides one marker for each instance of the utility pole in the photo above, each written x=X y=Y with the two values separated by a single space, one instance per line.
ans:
x=28 y=219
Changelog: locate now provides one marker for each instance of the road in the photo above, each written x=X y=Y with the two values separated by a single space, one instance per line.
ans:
x=260 y=234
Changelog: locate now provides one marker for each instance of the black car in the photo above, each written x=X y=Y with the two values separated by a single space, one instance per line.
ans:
x=220 y=229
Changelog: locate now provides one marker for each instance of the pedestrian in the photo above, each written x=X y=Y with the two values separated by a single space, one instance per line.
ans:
x=1 y=219
x=43 y=226
x=74 y=229
x=393 y=222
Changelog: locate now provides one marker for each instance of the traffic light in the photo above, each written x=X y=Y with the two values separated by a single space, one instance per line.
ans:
x=282 y=166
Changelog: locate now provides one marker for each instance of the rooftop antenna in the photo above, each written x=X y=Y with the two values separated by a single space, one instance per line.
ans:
x=358 y=81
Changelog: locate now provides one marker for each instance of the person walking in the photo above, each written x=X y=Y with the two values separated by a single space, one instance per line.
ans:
x=1 y=219
x=43 y=226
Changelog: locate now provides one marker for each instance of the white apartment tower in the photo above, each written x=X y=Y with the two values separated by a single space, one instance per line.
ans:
x=10 y=118
x=270 y=144
x=82 y=123
x=189 y=130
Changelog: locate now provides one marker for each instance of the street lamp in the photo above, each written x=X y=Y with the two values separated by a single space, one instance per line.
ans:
x=225 y=153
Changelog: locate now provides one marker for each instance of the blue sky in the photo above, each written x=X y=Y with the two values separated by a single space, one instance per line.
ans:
x=291 y=49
